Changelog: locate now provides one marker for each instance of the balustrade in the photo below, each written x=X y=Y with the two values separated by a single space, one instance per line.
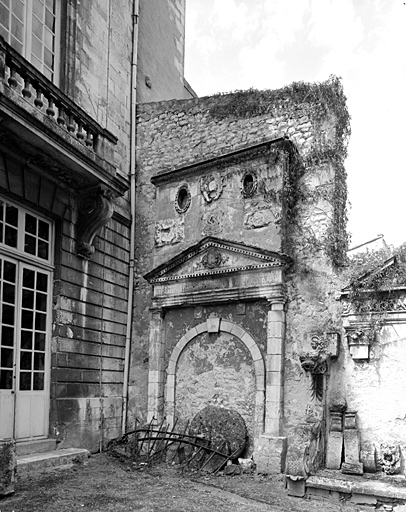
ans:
x=21 y=76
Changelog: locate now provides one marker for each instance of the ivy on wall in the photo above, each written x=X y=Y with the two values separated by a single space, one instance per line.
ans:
x=377 y=279
x=321 y=101
x=377 y=271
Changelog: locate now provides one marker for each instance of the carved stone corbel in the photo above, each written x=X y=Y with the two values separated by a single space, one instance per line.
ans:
x=314 y=363
x=359 y=342
x=317 y=350
x=95 y=208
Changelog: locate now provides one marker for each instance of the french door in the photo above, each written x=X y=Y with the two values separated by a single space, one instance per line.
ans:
x=25 y=294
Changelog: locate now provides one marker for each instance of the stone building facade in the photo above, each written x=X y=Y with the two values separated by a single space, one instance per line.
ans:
x=162 y=257
x=68 y=88
x=238 y=204
x=369 y=375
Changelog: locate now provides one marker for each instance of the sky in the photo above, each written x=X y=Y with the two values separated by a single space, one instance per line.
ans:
x=266 y=44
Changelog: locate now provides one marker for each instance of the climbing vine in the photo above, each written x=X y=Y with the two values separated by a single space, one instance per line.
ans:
x=320 y=101
x=376 y=279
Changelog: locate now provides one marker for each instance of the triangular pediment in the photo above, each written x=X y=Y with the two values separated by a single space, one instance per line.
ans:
x=213 y=256
x=379 y=273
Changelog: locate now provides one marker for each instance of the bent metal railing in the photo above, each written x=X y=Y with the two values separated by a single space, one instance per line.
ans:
x=23 y=77
x=148 y=445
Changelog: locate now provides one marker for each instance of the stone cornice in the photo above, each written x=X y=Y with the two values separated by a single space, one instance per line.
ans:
x=218 y=296
x=247 y=153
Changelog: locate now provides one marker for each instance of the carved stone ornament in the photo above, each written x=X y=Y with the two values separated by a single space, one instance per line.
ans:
x=390 y=459
x=359 y=342
x=249 y=184
x=212 y=222
x=211 y=187
x=314 y=363
x=212 y=259
x=183 y=199
x=95 y=208
x=169 y=231
x=317 y=348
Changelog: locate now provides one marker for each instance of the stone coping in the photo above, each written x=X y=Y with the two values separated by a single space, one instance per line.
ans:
x=374 y=485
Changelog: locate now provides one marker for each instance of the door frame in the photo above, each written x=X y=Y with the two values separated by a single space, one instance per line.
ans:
x=24 y=260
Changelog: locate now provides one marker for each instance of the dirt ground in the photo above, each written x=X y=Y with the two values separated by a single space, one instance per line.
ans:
x=105 y=483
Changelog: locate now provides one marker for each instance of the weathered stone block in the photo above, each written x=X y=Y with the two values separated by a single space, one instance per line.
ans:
x=351 y=446
x=352 y=468
x=213 y=324
x=270 y=454
x=363 y=499
x=336 y=421
x=7 y=467
x=296 y=485
x=350 y=420
x=368 y=457
x=334 y=450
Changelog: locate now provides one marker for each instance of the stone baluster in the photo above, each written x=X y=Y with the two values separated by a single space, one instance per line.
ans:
x=80 y=134
x=88 y=140
x=50 y=109
x=61 y=117
x=12 y=80
x=71 y=123
x=38 y=100
x=26 y=92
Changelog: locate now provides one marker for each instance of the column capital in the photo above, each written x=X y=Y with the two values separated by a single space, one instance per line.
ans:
x=276 y=303
x=157 y=311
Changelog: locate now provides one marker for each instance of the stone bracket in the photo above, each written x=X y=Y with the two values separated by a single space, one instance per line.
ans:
x=95 y=208
x=316 y=351
x=359 y=343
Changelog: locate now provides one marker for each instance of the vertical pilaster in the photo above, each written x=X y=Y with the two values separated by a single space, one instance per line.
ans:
x=274 y=368
x=156 y=364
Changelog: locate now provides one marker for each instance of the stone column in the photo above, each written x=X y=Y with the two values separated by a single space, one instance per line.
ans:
x=274 y=368
x=156 y=365
x=270 y=448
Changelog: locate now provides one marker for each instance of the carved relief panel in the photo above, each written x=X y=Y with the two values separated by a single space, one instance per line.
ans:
x=237 y=195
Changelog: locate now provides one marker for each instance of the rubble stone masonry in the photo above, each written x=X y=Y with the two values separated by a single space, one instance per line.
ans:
x=175 y=134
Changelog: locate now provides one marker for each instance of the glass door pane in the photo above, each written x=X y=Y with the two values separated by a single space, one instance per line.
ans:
x=33 y=329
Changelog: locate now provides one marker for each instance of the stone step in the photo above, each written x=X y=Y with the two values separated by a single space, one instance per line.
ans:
x=359 y=491
x=57 y=458
x=35 y=446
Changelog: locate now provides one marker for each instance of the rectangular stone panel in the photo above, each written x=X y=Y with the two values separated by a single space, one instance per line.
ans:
x=334 y=450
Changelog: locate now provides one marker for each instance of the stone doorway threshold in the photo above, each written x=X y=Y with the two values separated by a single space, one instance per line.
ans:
x=57 y=458
x=373 y=491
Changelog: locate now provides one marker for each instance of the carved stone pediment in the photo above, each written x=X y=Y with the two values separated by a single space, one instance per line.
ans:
x=218 y=270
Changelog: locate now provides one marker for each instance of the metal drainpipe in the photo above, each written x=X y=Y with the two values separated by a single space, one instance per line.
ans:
x=132 y=208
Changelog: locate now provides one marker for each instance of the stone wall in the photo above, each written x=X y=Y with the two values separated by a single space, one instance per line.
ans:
x=161 y=50
x=370 y=376
x=96 y=66
x=89 y=312
x=176 y=134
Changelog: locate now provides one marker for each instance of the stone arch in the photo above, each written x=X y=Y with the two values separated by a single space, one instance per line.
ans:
x=258 y=362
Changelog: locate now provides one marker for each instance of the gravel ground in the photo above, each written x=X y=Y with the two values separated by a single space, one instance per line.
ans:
x=107 y=484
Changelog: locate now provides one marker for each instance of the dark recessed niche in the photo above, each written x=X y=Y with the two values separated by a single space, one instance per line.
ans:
x=249 y=184
x=182 y=201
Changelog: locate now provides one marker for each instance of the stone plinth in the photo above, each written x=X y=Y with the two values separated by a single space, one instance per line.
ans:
x=7 y=467
x=368 y=457
x=296 y=485
x=334 y=450
x=352 y=446
x=270 y=454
